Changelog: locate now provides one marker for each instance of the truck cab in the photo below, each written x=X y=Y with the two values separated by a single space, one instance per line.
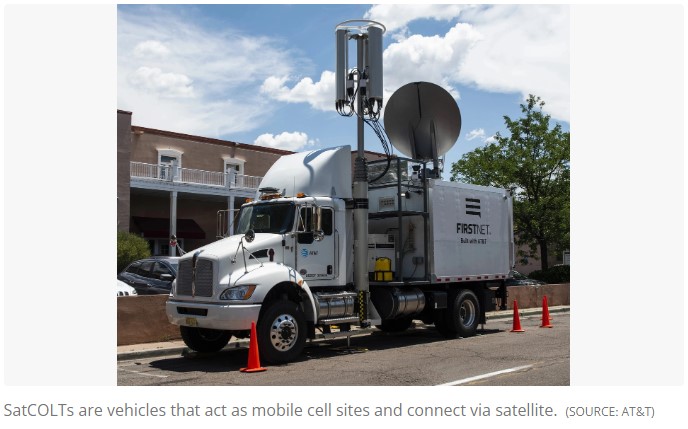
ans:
x=289 y=243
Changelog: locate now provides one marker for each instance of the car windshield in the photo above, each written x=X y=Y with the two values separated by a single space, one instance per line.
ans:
x=275 y=218
x=515 y=274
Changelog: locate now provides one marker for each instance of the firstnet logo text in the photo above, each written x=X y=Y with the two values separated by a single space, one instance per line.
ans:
x=473 y=228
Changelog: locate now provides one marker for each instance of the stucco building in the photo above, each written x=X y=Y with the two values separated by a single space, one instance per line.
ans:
x=171 y=183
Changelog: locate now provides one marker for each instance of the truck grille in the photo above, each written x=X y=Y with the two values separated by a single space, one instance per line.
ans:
x=204 y=277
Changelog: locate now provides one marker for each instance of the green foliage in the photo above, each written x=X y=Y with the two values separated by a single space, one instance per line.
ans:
x=130 y=247
x=533 y=163
x=553 y=275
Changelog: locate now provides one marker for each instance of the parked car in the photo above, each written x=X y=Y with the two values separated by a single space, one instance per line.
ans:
x=151 y=276
x=517 y=279
x=124 y=289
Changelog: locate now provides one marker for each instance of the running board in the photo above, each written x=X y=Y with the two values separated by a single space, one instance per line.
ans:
x=338 y=320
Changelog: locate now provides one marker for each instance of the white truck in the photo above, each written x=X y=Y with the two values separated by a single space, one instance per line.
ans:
x=438 y=252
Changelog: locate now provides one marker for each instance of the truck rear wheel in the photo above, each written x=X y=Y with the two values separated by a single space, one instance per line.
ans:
x=281 y=332
x=204 y=340
x=463 y=314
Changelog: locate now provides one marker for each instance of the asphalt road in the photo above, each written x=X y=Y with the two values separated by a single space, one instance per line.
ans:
x=418 y=357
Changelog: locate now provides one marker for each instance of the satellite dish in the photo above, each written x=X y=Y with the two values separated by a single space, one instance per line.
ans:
x=422 y=121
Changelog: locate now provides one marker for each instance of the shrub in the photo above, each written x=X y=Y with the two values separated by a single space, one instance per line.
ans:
x=130 y=247
x=555 y=274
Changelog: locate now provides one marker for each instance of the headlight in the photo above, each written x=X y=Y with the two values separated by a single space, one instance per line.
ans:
x=238 y=293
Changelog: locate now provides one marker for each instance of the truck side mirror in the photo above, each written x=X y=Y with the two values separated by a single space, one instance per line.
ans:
x=250 y=235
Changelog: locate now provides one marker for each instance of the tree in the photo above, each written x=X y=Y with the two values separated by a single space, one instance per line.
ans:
x=130 y=247
x=534 y=164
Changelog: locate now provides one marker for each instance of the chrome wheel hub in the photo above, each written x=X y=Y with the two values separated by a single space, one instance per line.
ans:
x=284 y=332
x=467 y=313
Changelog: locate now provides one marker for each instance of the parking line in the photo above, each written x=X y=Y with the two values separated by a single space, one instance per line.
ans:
x=484 y=376
x=143 y=373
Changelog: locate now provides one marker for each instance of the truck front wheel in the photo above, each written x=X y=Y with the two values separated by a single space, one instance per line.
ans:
x=281 y=332
x=463 y=314
x=203 y=339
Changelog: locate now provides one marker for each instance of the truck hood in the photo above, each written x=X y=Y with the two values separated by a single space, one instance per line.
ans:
x=228 y=248
x=226 y=262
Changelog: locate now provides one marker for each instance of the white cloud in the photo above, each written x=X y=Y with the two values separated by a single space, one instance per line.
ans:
x=171 y=85
x=479 y=134
x=320 y=95
x=177 y=76
x=193 y=115
x=505 y=48
x=474 y=134
x=151 y=47
x=287 y=141
x=428 y=58
x=523 y=49
x=395 y=17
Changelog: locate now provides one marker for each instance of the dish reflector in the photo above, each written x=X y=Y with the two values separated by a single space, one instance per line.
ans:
x=422 y=121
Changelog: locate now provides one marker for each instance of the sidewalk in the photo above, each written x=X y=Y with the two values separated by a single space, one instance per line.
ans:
x=171 y=348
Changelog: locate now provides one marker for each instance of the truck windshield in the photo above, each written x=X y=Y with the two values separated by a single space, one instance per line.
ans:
x=269 y=218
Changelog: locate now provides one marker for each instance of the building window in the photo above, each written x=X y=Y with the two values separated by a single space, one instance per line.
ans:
x=168 y=162
x=161 y=246
x=167 y=165
x=234 y=171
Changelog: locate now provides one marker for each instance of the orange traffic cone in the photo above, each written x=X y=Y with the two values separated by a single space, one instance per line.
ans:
x=253 y=358
x=545 y=314
x=517 y=320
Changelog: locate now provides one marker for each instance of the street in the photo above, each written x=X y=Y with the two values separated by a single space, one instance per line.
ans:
x=418 y=357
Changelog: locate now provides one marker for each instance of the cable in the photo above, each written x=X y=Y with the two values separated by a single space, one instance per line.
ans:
x=382 y=136
x=372 y=109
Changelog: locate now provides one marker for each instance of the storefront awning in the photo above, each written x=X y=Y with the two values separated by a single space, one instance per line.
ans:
x=153 y=227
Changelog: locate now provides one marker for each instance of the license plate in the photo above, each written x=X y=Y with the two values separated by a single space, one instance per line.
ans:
x=191 y=321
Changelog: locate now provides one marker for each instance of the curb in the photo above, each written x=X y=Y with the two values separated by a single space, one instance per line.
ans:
x=507 y=314
x=173 y=350
x=150 y=353
x=244 y=343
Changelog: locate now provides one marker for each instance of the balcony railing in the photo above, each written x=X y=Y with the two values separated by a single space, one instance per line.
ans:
x=169 y=173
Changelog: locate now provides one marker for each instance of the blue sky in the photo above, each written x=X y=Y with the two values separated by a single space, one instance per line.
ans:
x=264 y=74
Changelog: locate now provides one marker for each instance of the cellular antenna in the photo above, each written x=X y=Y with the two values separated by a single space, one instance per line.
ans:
x=365 y=80
x=359 y=90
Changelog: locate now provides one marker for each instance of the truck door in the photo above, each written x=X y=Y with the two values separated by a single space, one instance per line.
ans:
x=315 y=259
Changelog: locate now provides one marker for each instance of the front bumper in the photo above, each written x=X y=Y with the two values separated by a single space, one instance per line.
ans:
x=228 y=317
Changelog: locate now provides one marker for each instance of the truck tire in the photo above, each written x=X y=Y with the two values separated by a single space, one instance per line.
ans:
x=463 y=314
x=204 y=340
x=395 y=325
x=281 y=332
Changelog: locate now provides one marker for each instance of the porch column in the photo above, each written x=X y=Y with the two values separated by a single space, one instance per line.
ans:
x=173 y=220
x=230 y=215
